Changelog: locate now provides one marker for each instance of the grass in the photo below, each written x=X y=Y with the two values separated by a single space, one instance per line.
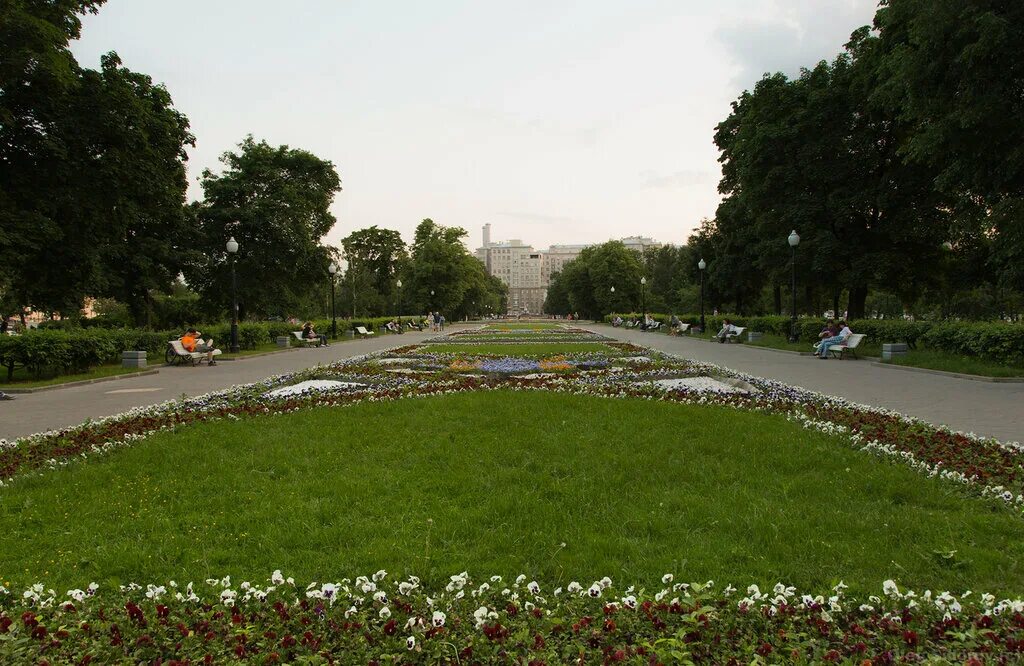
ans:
x=25 y=379
x=558 y=487
x=925 y=358
x=526 y=350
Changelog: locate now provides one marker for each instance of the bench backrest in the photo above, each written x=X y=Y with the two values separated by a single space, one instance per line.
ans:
x=298 y=334
x=361 y=330
x=854 y=340
x=179 y=348
x=738 y=330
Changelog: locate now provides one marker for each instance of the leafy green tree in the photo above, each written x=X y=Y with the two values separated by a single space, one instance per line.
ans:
x=275 y=201
x=92 y=180
x=585 y=284
x=375 y=258
x=957 y=75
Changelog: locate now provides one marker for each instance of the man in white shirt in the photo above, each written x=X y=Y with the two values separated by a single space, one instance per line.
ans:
x=844 y=333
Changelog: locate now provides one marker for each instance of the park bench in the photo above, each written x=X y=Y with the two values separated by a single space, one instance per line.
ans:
x=679 y=329
x=362 y=332
x=838 y=351
x=309 y=342
x=735 y=333
x=178 y=355
x=653 y=327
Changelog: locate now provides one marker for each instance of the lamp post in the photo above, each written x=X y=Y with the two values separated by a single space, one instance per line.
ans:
x=232 y=248
x=431 y=300
x=643 y=299
x=794 y=240
x=332 y=269
x=702 y=265
x=398 y=301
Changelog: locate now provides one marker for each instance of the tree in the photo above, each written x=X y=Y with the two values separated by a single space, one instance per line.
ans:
x=275 y=201
x=92 y=179
x=584 y=284
x=375 y=257
x=954 y=67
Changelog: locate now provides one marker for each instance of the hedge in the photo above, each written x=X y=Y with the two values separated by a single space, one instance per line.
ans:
x=995 y=341
x=67 y=350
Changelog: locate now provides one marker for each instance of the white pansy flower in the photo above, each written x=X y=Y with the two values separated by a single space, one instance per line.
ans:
x=438 y=619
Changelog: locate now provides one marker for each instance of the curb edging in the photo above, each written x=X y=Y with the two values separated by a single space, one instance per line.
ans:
x=80 y=382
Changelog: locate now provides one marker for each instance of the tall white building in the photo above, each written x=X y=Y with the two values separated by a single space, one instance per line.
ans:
x=527 y=272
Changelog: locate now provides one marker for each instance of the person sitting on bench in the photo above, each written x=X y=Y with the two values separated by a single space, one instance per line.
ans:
x=727 y=330
x=838 y=339
x=309 y=333
x=193 y=343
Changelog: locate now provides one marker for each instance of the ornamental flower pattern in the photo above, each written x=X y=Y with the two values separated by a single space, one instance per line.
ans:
x=698 y=622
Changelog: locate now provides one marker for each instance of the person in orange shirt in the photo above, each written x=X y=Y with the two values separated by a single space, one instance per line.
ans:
x=193 y=343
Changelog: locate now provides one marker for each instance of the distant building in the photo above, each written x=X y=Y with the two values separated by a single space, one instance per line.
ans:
x=527 y=272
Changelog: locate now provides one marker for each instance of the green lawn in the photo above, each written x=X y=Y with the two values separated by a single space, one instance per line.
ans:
x=25 y=379
x=526 y=350
x=558 y=487
x=925 y=358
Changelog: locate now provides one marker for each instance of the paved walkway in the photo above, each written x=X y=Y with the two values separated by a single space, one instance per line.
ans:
x=986 y=408
x=35 y=412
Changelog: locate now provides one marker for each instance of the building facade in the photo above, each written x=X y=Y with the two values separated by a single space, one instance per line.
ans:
x=527 y=272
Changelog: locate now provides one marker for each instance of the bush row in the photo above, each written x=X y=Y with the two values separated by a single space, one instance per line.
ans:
x=74 y=350
x=994 y=341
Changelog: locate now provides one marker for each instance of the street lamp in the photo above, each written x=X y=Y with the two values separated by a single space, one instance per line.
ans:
x=398 y=302
x=332 y=269
x=643 y=300
x=702 y=265
x=431 y=300
x=794 y=240
x=232 y=248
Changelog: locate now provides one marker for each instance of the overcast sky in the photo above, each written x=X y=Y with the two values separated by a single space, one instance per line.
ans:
x=556 y=121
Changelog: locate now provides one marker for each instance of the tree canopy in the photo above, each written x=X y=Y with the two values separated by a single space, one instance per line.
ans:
x=275 y=202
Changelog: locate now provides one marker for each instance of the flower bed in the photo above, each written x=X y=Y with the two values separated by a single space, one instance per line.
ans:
x=376 y=619
x=980 y=466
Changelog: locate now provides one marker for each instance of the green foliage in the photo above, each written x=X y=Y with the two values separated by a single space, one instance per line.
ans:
x=992 y=341
x=459 y=282
x=275 y=202
x=92 y=176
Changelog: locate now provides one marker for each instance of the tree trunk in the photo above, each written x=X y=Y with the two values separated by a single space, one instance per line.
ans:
x=777 y=295
x=836 y=293
x=858 y=297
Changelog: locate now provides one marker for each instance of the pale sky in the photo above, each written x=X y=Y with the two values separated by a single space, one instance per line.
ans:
x=555 y=121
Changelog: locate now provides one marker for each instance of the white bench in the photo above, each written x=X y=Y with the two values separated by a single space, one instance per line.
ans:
x=309 y=342
x=838 y=351
x=735 y=333
x=177 y=354
x=679 y=329
x=360 y=330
